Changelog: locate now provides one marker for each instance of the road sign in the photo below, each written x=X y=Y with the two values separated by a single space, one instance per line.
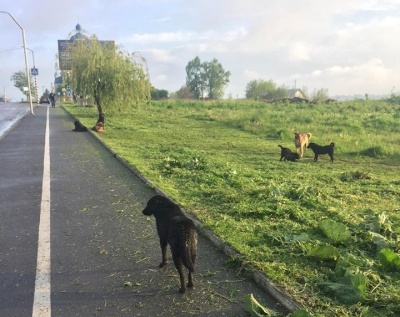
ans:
x=34 y=71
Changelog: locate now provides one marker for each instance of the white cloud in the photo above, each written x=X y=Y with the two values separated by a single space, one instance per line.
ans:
x=163 y=56
x=300 y=52
x=370 y=77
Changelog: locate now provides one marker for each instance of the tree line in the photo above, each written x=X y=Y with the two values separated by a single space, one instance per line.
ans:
x=117 y=80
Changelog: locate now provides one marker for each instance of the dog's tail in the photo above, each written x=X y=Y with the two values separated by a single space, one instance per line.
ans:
x=280 y=146
x=332 y=144
x=309 y=135
x=190 y=251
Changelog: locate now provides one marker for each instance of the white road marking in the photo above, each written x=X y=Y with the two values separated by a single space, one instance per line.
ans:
x=42 y=297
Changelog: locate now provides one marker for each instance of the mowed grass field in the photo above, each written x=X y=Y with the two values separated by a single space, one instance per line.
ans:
x=327 y=233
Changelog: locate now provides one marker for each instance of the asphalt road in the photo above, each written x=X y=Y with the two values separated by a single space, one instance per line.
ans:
x=10 y=113
x=104 y=253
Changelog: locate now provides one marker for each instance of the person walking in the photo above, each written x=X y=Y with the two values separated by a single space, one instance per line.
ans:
x=52 y=98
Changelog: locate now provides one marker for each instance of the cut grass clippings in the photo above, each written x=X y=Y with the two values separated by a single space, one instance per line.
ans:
x=327 y=233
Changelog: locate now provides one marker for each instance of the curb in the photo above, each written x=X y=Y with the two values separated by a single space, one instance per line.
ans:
x=259 y=278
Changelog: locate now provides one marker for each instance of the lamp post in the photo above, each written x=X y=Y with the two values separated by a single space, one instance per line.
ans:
x=26 y=59
x=34 y=74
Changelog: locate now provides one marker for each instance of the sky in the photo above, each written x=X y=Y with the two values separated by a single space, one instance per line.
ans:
x=347 y=47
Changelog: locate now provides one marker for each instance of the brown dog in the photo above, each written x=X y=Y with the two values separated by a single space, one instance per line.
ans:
x=301 y=142
x=99 y=127
x=175 y=229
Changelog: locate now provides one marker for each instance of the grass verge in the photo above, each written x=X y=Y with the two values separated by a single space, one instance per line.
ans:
x=326 y=233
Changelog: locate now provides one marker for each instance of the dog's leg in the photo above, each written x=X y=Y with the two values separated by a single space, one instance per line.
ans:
x=163 y=253
x=190 y=279
x=178 y=266
x=315 y=157
x=191 y=270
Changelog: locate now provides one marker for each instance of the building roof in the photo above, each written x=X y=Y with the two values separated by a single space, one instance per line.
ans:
x=78 y=35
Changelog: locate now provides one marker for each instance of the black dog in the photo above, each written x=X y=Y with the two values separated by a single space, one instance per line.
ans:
x=174 y=228
x=320 y=150
x=287 y=154
x=79 y=127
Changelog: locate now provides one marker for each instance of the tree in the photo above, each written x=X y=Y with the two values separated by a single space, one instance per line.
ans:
x=21 y=81
x=158 y=94
x=116 y=80
x=320 y=95
x=217 y=79
x=206 y=78
x=195 y=78
x=184 y=93
x=261 y=89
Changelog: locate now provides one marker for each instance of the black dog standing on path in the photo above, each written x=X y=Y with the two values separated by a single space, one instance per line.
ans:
x=287 y=154
x=320 y=150
x=175 y=229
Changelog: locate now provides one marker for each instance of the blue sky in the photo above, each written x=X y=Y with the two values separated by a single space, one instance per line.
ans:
x=349 y=47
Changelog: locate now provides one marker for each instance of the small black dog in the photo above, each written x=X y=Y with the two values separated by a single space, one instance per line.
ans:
x=287 y=154
x=174 y=228
x=79 y=127
x=320 y=150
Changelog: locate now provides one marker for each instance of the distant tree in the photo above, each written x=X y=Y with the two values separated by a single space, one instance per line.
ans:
x=115 y=79
x=320 y=95
x=261 y=89
x=281 y=92
x=196 y=78
x=184 y=93
x=207 y=79
x=217 y=79
x=158 y=94
x=252 y=90
x=20 y=81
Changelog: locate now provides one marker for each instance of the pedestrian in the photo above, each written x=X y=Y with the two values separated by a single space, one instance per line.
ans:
x=52 y=98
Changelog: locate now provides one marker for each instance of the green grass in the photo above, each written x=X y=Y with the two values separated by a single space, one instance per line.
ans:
x=315 y=229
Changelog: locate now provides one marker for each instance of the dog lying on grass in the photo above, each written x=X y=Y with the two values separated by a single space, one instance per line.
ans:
x=99 y=127
x=287 y=154
x=175 y=229
x=301 y=142
x=79 y=127
x=320 y=150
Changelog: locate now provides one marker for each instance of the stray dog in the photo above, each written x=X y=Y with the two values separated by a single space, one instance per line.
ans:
x=174 y=228
x=79 y=127
x=320 y=150
x=301 y=142
x=99 y=127
x=287 y=154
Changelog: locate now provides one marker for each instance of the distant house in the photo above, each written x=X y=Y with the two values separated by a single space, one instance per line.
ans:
x=296 y=93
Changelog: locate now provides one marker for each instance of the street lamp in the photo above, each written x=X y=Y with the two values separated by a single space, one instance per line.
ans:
x=33 y=56
x=26 y=59
x=34 y=74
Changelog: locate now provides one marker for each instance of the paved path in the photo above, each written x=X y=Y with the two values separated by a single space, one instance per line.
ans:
x=104 y=252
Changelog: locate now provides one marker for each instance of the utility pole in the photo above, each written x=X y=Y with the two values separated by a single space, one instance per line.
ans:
x=35 y=75
x=26 y=59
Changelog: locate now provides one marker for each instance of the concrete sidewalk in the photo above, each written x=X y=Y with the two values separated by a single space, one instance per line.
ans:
x=104 y=252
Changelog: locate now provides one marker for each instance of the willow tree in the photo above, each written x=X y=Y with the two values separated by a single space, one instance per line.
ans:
x=115 y=79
